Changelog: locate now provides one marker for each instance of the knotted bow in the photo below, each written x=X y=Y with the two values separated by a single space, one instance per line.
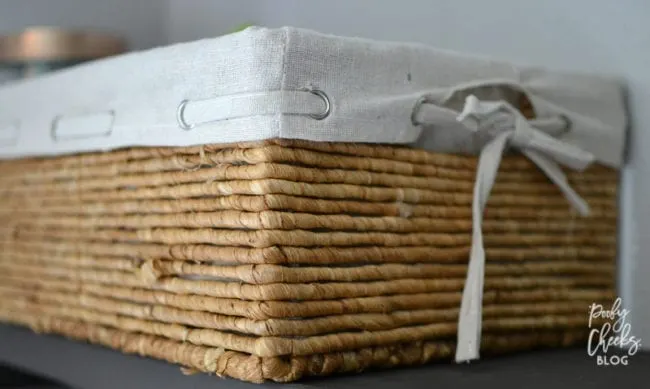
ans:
x=505 y=125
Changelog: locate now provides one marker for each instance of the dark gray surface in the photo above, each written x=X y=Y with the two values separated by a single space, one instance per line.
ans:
x=86 y=366
x=15 y=379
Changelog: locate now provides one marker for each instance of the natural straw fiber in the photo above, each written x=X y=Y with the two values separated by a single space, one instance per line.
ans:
x=255 y=369
x=284 y=259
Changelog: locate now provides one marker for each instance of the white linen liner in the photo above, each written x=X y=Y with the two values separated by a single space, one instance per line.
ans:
x=372 y=86
x=291 y=83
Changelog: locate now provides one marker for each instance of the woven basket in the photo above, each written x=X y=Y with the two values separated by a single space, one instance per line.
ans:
x=285 y=259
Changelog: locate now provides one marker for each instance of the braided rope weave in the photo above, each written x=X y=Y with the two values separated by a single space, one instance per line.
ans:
x=284 y=259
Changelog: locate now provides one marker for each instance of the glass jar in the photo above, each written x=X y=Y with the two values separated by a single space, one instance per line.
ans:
x=39 y=50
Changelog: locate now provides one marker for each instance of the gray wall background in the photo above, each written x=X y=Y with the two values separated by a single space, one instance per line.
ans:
x=143 y=22
x=586 y=35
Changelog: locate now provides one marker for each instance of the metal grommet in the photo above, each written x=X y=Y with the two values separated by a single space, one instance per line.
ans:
x=567 y=123
x=53 y=125
x=328 y=106
x=180 y=116
x=421 y=101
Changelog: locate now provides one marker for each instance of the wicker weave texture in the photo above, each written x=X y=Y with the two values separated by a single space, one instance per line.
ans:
x=282 y=259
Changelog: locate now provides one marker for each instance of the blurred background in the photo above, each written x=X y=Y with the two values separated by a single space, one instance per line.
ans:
x=604 y=36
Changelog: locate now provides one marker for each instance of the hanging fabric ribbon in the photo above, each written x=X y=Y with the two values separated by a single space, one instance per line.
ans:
x=505 y=126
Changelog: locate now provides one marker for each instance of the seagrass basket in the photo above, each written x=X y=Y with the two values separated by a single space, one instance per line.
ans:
x=286 y=258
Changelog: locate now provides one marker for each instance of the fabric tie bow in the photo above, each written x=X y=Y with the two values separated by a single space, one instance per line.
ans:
x=505 y=126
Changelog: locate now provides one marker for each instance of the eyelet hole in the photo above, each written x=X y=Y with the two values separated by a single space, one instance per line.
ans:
x=180 y=116
x=326 y=100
